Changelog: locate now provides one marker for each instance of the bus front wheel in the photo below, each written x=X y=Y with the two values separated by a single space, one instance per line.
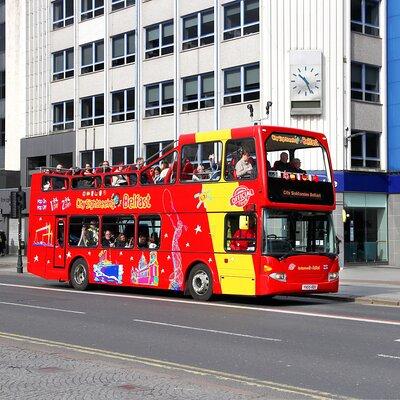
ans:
x=200 y=283
x=79 y=274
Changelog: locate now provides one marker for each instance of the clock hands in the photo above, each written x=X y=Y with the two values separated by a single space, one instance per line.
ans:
x=306 y=82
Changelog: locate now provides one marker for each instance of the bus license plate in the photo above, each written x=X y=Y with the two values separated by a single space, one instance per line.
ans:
x=309 y=287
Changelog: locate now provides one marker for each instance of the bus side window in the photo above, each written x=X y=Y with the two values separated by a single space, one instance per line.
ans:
x=240 y=159
x=60 y=233
x=240 y=232
x=84 y=231
x=118 y=231
x=149 y=232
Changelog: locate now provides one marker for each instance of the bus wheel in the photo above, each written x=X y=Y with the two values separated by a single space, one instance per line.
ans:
x=79 y=274
x=200 y=283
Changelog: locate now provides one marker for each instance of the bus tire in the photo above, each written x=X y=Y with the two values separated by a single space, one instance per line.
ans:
x=199 y=283
x=79 y=277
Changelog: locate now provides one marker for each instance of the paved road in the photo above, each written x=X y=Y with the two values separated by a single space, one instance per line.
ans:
x=305 y=347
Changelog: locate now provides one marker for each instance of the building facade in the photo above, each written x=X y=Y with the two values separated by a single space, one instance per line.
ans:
x=115 y=79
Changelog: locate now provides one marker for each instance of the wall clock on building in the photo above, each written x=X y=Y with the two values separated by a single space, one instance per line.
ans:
x=306 y=82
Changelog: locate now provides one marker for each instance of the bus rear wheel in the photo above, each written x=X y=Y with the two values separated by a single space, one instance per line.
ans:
x=79 y=274
x=199 y=283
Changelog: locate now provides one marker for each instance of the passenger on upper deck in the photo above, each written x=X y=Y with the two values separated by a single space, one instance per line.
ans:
x=164 y=169
x=87 y=170
x=120 y=179
x=105 y=166
x=157 y=176
x=282 y=164
x=243 y=167
x=295 y=166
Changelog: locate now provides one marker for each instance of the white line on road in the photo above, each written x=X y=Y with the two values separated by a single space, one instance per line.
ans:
x=389 y=356
x=42 y=308
x=397 y=340
x=207 y=330
x=203 y=304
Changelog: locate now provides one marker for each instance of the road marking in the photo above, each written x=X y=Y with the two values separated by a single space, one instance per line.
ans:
x=210 y=304
x=397 y=340
x=207 y=330
x=388 y=356
x=313 y=394
x=42 y=308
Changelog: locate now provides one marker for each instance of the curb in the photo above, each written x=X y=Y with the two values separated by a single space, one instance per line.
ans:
x=358 y=300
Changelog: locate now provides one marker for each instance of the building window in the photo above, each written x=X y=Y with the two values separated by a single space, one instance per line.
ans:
x=155 y=150
x=123 y=48
x=242 y=84
x=2 y=132
x=159 y=99
x=92 y=110
x=160 y=39
x=92 y=57
x=241 y=18
x=123 y=154
x=92 y=157
x=123 y=105
x=118 y=4
x=65 y=159
x=63 y=13
x=198 y=92
x=365 y=16
x=63 y=64
x=365 y=149
x=198 y=29
x=364 y=82
x=91 y=8
x=63 y=116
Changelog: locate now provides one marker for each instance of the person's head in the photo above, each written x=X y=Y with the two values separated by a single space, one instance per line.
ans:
x=164 y=164
x=245 y=155
x=142 y=239
x=59 y=167
x=121 y=237
x=284 y=157
x=105 y=163
x=87 y=167
x=139 y=162
x=157 y=171
x=200 y=168
x=120 y=167
x=107 y=235
x=296 y=163
x=93 y=223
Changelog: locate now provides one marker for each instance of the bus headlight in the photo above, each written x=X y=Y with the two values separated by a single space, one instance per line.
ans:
x=278 y=276
x=333 y=276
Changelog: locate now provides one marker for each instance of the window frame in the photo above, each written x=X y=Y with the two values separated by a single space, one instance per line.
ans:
x=159 y=49
x=160 y=107
x=200 y=99
x=199 y=36
x=125 y=112
x=93 y=117
x=242 y=26
x=126 y=150
x=365 y=25
x=364 y=158
x=65 y=122
x=127 y=58
x=65 y=73
x=125 y=4
x=95 y=65
x=242 y=93
x=64 y=21
x=363 y=91
x=93 y=11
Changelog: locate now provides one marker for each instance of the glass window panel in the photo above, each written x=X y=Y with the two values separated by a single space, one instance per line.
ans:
x=86 y=5
x=168 y=33
x=99 y=105
x=87 y=108
x=207 y=86
x=118 y=154
x=58 y=10
x=168 y=93
x=356 y=146
x=251 y=11
x=207 y=22
x=232 y=81
x=118 y=102
x=131 y=42
x=69 y=8
x=232 y=16
x=372 y=12
x=190 y=27
x=130 y=99
x=87 y=54
x=118 y=46
x=152 y=98
x=356 y=13
x=252 y=77
x=58 y=113
x=372 y=145
x=99 y=3
x=372 y=79
x=189 y=87
x=70 y=59
x=58 y=62
x=69 y=111
x=98 y=156
x=356 y=76
x=99 y=51
x=152 y=38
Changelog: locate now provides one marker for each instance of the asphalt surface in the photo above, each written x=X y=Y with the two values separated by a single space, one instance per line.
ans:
x=320 y=345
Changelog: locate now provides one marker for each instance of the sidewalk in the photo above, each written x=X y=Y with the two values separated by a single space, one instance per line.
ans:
x=378 y=284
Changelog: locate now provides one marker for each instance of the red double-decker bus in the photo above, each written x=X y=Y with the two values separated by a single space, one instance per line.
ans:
x=242 y=211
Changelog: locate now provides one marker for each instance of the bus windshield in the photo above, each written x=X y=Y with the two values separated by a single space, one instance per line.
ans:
x=298 y=170
x=287 y=233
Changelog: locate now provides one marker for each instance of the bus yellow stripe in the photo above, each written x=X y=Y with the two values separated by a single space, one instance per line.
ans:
x=208 y=136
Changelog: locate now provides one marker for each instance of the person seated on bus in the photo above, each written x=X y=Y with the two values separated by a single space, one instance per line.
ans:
x=142 y=241
x=122 y=241
x=108 y=239
x=46 y=183
x=164 y=169
x=88 y=170
x=295 y=166
x=89 y=235
x=243 y=168
x=105 y=166
x=200 y=174
x=139 y=164
x=120 y=179
x=244 y=237
x=282 y=164
x=157 y=175
x=153 y=241
x=187 y=170
x=59 y=169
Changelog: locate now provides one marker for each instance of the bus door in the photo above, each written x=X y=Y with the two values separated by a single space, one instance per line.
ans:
x=60 y=242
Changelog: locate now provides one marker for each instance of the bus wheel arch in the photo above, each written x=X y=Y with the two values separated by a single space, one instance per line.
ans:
x=79 y=274
x=199 y=281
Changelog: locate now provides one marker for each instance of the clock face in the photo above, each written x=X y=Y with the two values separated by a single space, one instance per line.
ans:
x=305 y=82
